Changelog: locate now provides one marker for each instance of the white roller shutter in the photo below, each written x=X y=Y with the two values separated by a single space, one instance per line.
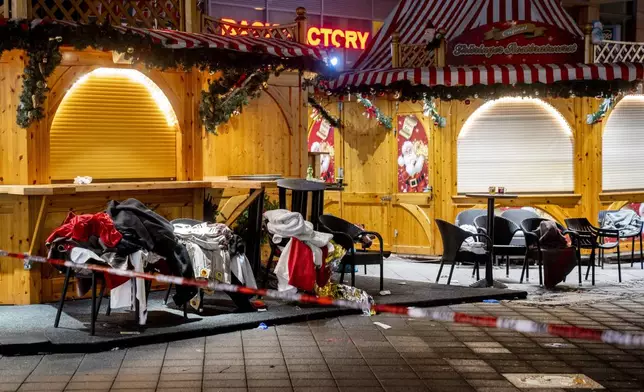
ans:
x=522 y=144
x=623 y=146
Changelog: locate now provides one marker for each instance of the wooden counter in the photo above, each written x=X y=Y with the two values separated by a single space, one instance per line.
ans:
x=70 y=189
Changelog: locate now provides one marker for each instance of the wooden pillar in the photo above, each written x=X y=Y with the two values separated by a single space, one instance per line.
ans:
x=302 y=25
x=191 y=17
x=589 y=48
x=395 y=50
x=588 y=144
x=19 y=9
x=439 y=58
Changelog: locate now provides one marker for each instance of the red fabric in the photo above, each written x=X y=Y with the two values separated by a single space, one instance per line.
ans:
x=301 y=269
x=324 y=272
x=114 y=281
x=81 y=227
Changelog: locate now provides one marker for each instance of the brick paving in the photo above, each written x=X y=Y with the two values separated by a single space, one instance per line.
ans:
x=352 y=354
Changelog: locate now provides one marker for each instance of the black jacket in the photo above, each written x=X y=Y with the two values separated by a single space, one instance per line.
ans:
x=143 y=228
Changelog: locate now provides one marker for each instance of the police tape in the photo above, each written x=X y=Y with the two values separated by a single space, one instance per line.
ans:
x=523 y=326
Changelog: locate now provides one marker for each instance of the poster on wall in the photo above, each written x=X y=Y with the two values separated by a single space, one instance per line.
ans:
x=413 y=153
x=321 y=139
x=515 y=42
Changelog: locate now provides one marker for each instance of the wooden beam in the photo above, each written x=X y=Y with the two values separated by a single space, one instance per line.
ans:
x=238 y=211
x=42 y=213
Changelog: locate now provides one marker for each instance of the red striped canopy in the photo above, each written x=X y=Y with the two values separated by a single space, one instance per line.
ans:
x=173 y=39
x=411 y=17
x=452 y=76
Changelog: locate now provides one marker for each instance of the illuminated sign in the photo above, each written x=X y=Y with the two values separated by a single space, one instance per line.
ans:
x=316 y=36
x=349 y=39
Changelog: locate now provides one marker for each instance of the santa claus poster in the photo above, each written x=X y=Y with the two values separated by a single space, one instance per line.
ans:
x=413 y=154
x=321 y=139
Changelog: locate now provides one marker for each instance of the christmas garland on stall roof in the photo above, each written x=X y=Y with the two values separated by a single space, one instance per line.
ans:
x=405 y=91
x=41 y=40
x=322 y=112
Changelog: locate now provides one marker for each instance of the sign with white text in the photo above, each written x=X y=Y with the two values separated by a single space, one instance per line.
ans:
x=515 y=42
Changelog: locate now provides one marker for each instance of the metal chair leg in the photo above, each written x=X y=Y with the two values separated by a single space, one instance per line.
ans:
x=451 y=271
x=353 y=275
x=540 y=261
x=68 y=274
x=440 y=269
x=592 y=262
x=167 y=294
x=579 y=264
x=632 y=251
x=93 y=320
x=100 y=297
x=641 y=255
x=268 y=267
x=507 y=266
x=619 y=264
x=525 y=266
x=382 y=275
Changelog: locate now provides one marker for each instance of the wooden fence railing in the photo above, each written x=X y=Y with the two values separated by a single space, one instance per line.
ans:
x=223 y=27
x=618 y=51
x=162 y=14
x=414 y=56
x=292 y=32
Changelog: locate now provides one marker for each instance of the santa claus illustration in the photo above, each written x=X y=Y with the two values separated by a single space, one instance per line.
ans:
x=412 y=162
x=325 y=160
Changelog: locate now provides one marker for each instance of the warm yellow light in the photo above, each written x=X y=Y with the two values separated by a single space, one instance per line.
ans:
x=157 y=94
x=509 y=100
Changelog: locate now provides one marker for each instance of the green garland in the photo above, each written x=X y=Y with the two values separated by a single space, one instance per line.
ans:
x=372 y=111
x=429 y=110
x=405 y=91
x=42 y=44
x=604 y=107
x=322 y=112
x=227 y=95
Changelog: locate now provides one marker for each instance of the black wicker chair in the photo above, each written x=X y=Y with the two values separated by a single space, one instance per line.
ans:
x=453 y=238
x=467 y=217
x=602 y=217
x=530 y=228
x=518 y=215
x=591 y=237
x=344 y=230
x=504 y=231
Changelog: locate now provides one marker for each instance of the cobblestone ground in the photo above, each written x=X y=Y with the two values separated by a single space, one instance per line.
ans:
x=353 y=354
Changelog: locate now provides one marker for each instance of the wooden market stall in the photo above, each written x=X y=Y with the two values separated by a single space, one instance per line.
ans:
x=433 y=122
x=132 y=119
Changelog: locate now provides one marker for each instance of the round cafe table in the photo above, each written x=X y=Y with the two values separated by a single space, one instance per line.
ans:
x=488 y=281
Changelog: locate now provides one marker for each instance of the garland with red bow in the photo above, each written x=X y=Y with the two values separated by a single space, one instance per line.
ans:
x=372 y=111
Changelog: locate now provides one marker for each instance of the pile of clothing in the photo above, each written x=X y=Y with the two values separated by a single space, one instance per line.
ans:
x=626 y=221
x=308 y=259
x=216 y=254
x=127 y=235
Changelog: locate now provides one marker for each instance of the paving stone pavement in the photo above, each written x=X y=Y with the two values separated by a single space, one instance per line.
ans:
x=352 y=354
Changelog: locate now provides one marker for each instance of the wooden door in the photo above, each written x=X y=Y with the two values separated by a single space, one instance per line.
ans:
x=365 y=158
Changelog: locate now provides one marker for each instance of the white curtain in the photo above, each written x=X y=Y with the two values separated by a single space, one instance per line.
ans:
x=623 y=146
x=522 y=144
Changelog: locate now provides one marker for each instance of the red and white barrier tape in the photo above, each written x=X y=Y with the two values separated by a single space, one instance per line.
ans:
x=524 y=326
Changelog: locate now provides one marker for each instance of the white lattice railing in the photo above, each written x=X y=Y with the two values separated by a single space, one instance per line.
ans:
x=416 y=56
x=618 y=51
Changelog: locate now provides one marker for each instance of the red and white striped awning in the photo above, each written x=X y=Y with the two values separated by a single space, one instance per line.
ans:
x=411 y=17
x=452 y=76
x=173 y=39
